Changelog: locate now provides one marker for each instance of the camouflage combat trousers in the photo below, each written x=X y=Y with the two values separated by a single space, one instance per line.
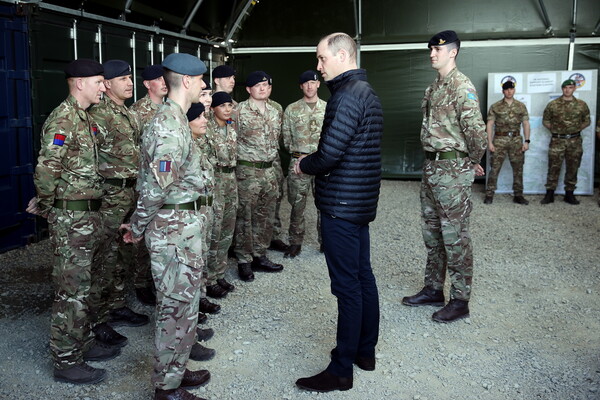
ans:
x=570 y=150
x=278 y=233
x=445 y=209
x=208 y=216
x=174 y=239
x=114 y=259
x=75 y=238
x=298 y=188
x=513 y=147
x=225 y=203
x=257 y=193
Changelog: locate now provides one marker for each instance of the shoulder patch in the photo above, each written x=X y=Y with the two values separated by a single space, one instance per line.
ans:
x=164 y=166
x=59 y=139
x=95 y=130
x=471 y=96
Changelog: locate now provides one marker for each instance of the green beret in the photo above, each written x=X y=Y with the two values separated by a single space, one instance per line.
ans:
x=568 y=82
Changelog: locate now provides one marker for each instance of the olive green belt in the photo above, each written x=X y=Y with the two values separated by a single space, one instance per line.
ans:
x=78 y=205
x=192 y=205
x=225 y=170
x=259 y=164
x=510 y=134
x=298 y=154
x=122 y=182
x=445 y=155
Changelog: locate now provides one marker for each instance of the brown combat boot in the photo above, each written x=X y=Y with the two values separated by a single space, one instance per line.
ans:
x=454 y=310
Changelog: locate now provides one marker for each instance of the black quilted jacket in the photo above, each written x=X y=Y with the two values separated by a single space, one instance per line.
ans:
x=347 y=163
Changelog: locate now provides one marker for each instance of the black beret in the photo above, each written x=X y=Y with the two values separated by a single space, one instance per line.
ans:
x=83 y=68
x=256 y=77
x=116 y=68
x=207 y=82
x=185 y=64
x=195 y=111
x=508 y=85
x=223 y=71
x=308 y=76
x=443 y=38
x=220 y=98
x=152 y=72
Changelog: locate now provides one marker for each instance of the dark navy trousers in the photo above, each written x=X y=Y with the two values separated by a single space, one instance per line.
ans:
x=347 y=250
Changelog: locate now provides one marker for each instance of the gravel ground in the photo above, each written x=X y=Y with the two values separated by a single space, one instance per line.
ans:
x=533 y=332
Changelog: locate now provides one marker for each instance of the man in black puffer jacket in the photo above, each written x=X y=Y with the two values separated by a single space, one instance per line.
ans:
x=347 y=165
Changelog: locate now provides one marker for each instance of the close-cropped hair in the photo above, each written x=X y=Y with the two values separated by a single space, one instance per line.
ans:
x=172 y=79
x=338 y=41
x=454 y=45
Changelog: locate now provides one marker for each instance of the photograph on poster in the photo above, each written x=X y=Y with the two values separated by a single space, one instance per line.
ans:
x=538 y=90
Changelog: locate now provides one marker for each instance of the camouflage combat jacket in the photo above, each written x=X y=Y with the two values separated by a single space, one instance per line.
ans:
x=222 y=142
x=118 y=140
x=566 y=117
x=302 y=126
x=170 y=166
x=451 y=117
x=67 y=165
x=257 y=133
x=145 y=109
x=508 y=117
x=206 y=165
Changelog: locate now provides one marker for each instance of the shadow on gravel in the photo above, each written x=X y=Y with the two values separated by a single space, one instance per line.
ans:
x=25 y=291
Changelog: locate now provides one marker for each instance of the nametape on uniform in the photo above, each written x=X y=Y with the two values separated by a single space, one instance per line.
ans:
x=59 y=139
x=164 y=166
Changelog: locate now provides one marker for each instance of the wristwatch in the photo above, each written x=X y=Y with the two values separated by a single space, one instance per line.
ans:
x=527 y=141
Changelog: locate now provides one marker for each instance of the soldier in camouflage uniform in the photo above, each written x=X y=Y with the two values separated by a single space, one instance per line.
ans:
x=278 y=238
x=454 y=140
x=222 y=141
x=302 y=122
x=507 y=115
x=565 y=118
x=171 y=183
x=69 y=190
x=258 y=128
x=145 y=109
x=119 y=159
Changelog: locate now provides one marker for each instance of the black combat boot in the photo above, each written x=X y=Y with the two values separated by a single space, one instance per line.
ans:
x=489 y=199
x=549 y=198
x=570 y=198
x=428 y=296
x=519 y=199
x=454 y=310
x=245 y=272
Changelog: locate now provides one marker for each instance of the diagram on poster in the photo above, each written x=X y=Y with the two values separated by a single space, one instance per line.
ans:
x=536 y=90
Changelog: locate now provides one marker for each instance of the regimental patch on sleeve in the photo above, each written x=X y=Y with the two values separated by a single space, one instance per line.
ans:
x=59 y=139
x=471 y=94
x=164 y=166
x=95 y=130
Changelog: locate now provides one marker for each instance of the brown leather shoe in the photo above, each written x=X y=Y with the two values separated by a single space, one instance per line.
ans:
x=262 y=263
x=201 y=353
x=453 y=311
x=193 y=379
x=204 y=334
x=216 y=291
x=520 y=200
x=325 y=382
x=293 y=250
x=245 y=272
x=104 y=333
x=426 y=297
x=278 y=245
x=175 y=394
x=80 y=374
x=225 y=285
x=208 y=307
